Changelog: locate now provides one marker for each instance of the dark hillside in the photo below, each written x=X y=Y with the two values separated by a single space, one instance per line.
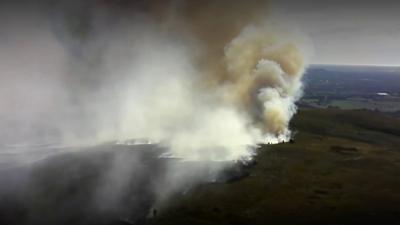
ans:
x=342 y=169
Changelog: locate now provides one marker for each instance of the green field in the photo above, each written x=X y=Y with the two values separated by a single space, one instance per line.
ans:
x=382 y=105
x=344 y=168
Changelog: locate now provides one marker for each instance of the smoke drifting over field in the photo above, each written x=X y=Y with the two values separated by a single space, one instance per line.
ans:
x=209 y=79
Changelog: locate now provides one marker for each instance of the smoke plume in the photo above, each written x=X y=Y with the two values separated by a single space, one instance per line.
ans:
x=241 y=78
x=208 y=79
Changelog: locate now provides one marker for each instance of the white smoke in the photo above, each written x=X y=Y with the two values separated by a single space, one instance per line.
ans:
x=139 y=81
x=163 y=98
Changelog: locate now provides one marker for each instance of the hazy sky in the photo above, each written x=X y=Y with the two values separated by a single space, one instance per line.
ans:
x=349 y=32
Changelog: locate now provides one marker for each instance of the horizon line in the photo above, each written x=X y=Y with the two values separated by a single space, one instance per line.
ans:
x=355 y=65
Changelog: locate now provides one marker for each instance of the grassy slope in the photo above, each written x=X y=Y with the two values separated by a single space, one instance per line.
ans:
x=344 y=168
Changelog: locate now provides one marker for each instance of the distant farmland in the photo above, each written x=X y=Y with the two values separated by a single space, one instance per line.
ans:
x=352 y=87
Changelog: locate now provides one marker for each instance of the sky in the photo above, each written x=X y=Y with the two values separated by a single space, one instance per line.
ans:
x=348 y=32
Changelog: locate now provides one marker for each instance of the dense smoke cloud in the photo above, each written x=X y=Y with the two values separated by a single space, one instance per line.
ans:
x=208 y=79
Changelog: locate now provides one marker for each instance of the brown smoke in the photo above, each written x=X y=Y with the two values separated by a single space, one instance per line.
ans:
x=235 y=43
